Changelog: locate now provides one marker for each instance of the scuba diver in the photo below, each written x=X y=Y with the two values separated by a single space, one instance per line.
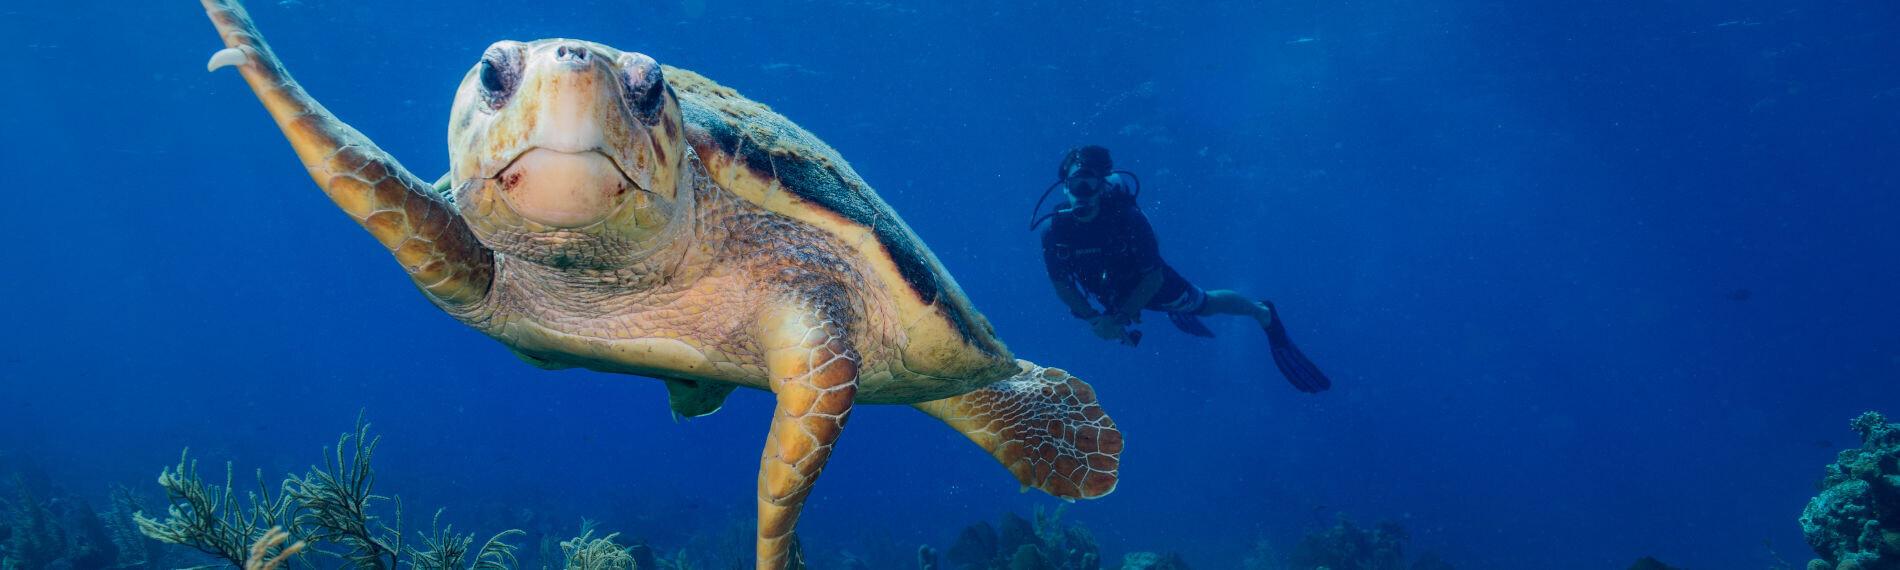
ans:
x=1101 y=246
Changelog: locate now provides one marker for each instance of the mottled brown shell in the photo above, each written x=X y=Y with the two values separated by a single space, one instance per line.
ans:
x=766 y=159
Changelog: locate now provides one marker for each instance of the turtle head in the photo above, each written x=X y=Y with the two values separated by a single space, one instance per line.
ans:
x=568 y=153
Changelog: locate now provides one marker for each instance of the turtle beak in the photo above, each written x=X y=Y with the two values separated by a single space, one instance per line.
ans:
x=574 y=95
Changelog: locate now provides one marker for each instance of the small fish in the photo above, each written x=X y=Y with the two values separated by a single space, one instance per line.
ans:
x=1302 y=40
x=1740 y=295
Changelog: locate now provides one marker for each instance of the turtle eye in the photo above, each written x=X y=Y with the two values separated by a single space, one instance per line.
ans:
x=645 y=88
x=500 y=71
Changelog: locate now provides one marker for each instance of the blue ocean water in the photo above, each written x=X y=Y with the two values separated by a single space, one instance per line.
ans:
x=1594 y=281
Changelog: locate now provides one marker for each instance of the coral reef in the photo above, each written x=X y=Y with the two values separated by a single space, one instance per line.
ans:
x=333 y=504
x=330 y=506
x=40 y=529
x=1262 y=557
x=332 y=511
x=1041 y=543
x=1431 y=561
x=1018 y=544
x=444 y=550
x=1651 y=563
x=1346 y=546
x=876 y=547
x=208 y=517
x=585 y=552
x=269 y=551
x=730 y=546
x=1854 y=522
x=135 y=549
x=332 y=517
x=588 y=553
x=1152 y=561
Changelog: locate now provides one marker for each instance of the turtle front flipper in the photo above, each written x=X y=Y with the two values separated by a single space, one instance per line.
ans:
x=1045 y=426
x=427 y=237
x=814 y=373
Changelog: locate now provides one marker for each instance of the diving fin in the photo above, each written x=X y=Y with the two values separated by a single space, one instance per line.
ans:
x=1191 y=324
x=1299 y=371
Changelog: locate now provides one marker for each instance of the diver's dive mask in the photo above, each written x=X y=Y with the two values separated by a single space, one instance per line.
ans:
x=1082 y=185
x=1085 y=186
x=1083 y=175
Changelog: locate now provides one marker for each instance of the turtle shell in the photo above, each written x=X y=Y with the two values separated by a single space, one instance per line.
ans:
x=762 y=157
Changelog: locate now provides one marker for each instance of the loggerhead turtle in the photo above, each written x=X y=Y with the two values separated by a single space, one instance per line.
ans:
x=607 y=212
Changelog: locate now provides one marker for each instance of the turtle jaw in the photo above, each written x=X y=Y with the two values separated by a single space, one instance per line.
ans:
x=568 y=210
x=565 y=190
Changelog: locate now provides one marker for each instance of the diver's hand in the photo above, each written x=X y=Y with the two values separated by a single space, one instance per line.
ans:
x=1108 y=327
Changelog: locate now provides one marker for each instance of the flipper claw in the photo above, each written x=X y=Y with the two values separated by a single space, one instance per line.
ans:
x=227 y=57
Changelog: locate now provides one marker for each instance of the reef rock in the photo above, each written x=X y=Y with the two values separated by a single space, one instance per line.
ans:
x=1348 y=547
x=1046 y=543
x=1651 y=563
x=926 y=558
x=1431 y=561
x=1854 y=522
x=1152 y=561
x=974 y=548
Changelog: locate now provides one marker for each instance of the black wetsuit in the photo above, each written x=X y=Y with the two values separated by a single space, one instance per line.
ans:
x=1107 y=256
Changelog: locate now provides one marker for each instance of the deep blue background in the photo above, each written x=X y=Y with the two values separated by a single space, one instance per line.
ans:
x=1510 y=230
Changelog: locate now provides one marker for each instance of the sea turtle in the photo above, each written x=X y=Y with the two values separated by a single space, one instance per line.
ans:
x=607 y=212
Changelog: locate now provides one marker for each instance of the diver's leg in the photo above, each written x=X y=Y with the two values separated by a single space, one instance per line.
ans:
x=1183 y=302
x=1294 y=365
x=1228 y=302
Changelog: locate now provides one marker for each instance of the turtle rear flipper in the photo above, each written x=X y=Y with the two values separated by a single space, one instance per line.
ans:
x=692 y=399
x=1045 y=426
